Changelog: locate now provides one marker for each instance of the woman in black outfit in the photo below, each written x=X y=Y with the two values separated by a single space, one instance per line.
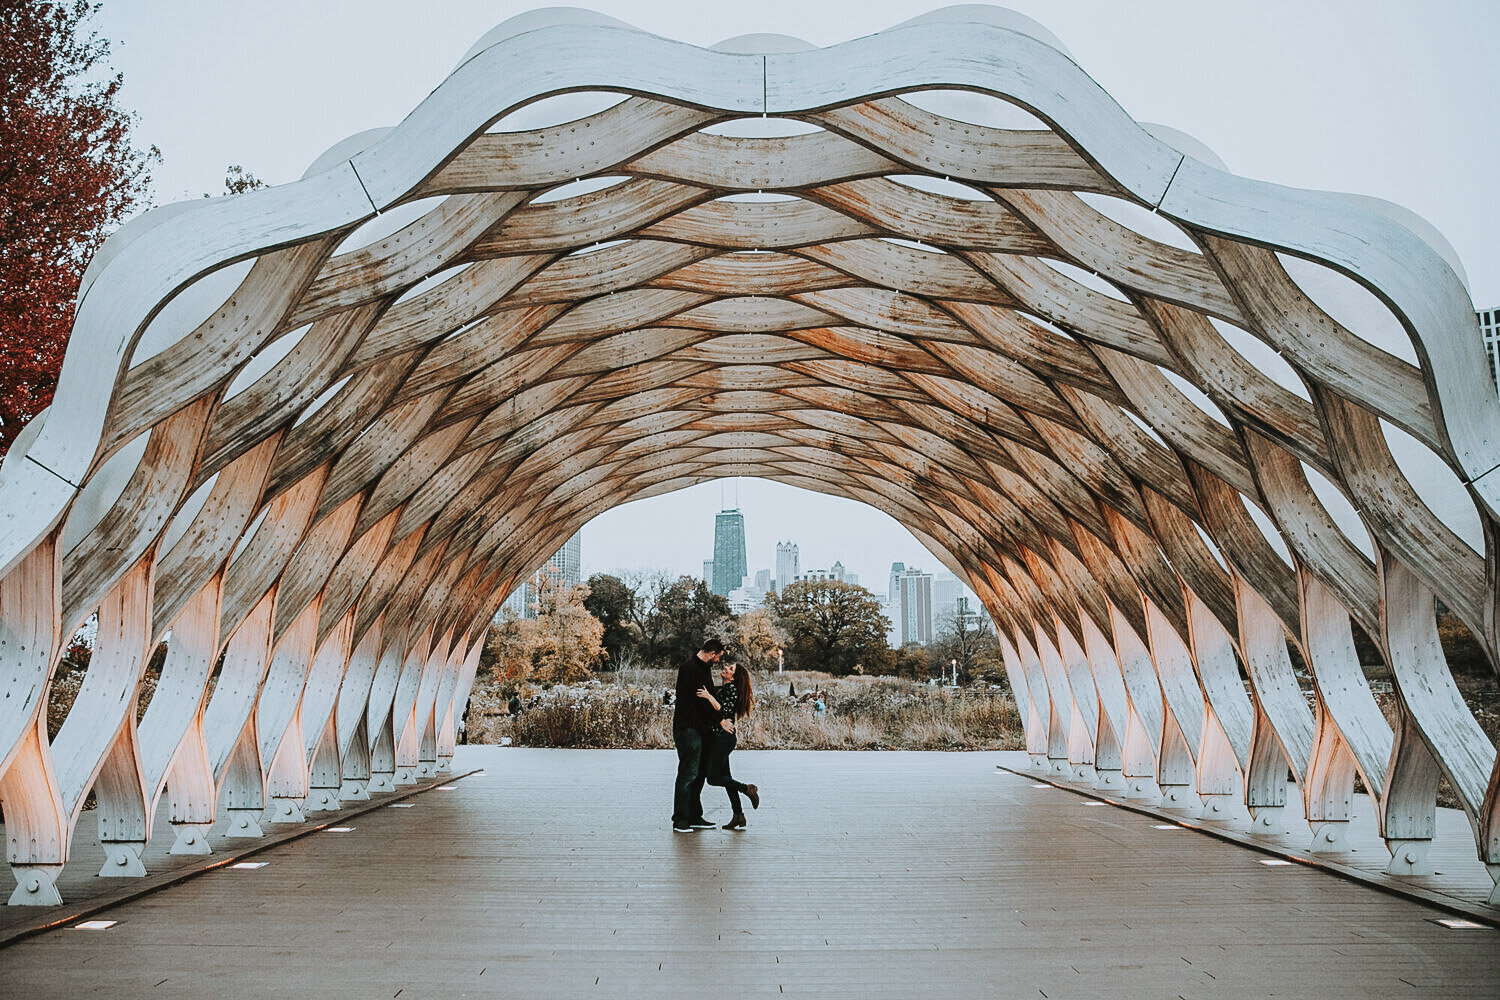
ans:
x=732 y=699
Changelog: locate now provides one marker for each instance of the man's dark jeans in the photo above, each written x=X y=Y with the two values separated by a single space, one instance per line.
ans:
x=687 y=797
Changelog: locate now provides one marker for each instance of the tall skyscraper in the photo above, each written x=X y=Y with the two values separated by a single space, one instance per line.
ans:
x=729 y=552
x=708 y=573
x=762 y=580
x=565 y=565
x=893 y=594
x=567 y=562
x=788 y=565
x=914 y=603
x=946 y=592
x=1489 y=325
x=519 y=602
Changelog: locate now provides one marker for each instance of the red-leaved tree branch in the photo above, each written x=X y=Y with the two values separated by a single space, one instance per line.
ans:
x=69 y=175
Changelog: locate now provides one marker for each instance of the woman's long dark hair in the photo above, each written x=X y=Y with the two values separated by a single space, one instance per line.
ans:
x=741 y=683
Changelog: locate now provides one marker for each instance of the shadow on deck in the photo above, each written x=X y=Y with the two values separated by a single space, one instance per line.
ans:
x=555 y=873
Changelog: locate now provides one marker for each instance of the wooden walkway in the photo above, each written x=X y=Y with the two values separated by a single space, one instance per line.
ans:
x=1458 y=883
x=554 y=873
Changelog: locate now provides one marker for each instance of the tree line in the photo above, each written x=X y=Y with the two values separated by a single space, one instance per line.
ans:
x=654 y=620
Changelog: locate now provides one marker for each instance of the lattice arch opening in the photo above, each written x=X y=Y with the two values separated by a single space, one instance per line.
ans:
x=1155 y=415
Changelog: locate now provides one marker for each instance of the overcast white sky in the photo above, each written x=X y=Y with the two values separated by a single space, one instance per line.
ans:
x=1389 y=98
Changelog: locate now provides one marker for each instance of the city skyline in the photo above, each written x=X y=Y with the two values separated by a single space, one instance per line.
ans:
x=673 y=532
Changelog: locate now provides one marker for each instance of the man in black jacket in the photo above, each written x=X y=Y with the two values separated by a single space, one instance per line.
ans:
x=692 y=722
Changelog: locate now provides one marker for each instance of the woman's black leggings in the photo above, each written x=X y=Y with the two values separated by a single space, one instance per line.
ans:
x=718 y=768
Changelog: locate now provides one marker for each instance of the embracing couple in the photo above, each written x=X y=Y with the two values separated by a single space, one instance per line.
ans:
x=703 y=732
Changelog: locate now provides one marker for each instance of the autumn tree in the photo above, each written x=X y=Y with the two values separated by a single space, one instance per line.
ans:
x=914 y=661
x=754 y=636
x=504 y=654
x=68 y=176
x=566 y=639
x=832 y=626
x=561 y=645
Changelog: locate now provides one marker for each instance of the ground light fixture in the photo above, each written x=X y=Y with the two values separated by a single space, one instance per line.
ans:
x=247 y=865
x=1457 y=924
x=94 y=925
x=339 y=829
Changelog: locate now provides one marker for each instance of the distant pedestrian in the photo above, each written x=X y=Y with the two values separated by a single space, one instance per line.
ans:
x=731 y=700
x=692 y=723
x=514 y=705
x=463 y=723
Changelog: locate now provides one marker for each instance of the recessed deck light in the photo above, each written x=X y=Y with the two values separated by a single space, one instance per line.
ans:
x=446 y=788
x=1167 y=826
x=246 y=865
x=1041 y=784
x=94 y=925
x=1274 y=861
x=1096 y=803
x=401 y=805
x=1456 y=924
x=340 y=829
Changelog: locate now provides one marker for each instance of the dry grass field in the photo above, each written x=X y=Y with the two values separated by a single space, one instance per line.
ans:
x=626 y=710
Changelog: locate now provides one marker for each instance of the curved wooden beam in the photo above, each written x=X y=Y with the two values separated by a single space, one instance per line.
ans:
x=324 y=456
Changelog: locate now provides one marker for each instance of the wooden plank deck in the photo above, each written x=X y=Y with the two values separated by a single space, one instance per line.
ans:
x=1459 y=882
x=553 y=873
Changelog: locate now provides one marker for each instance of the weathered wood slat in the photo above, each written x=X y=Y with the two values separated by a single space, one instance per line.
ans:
x=134 y=523
x=206 y=543
x=245 y=323
x=1312 y=534
x=931 y=144
x=543 y=157
x=733 y=163
x=902 y=268
x=278 y=397
x=945 y=222
x=911 y=311
x=331 y=428
x=1107 y=248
